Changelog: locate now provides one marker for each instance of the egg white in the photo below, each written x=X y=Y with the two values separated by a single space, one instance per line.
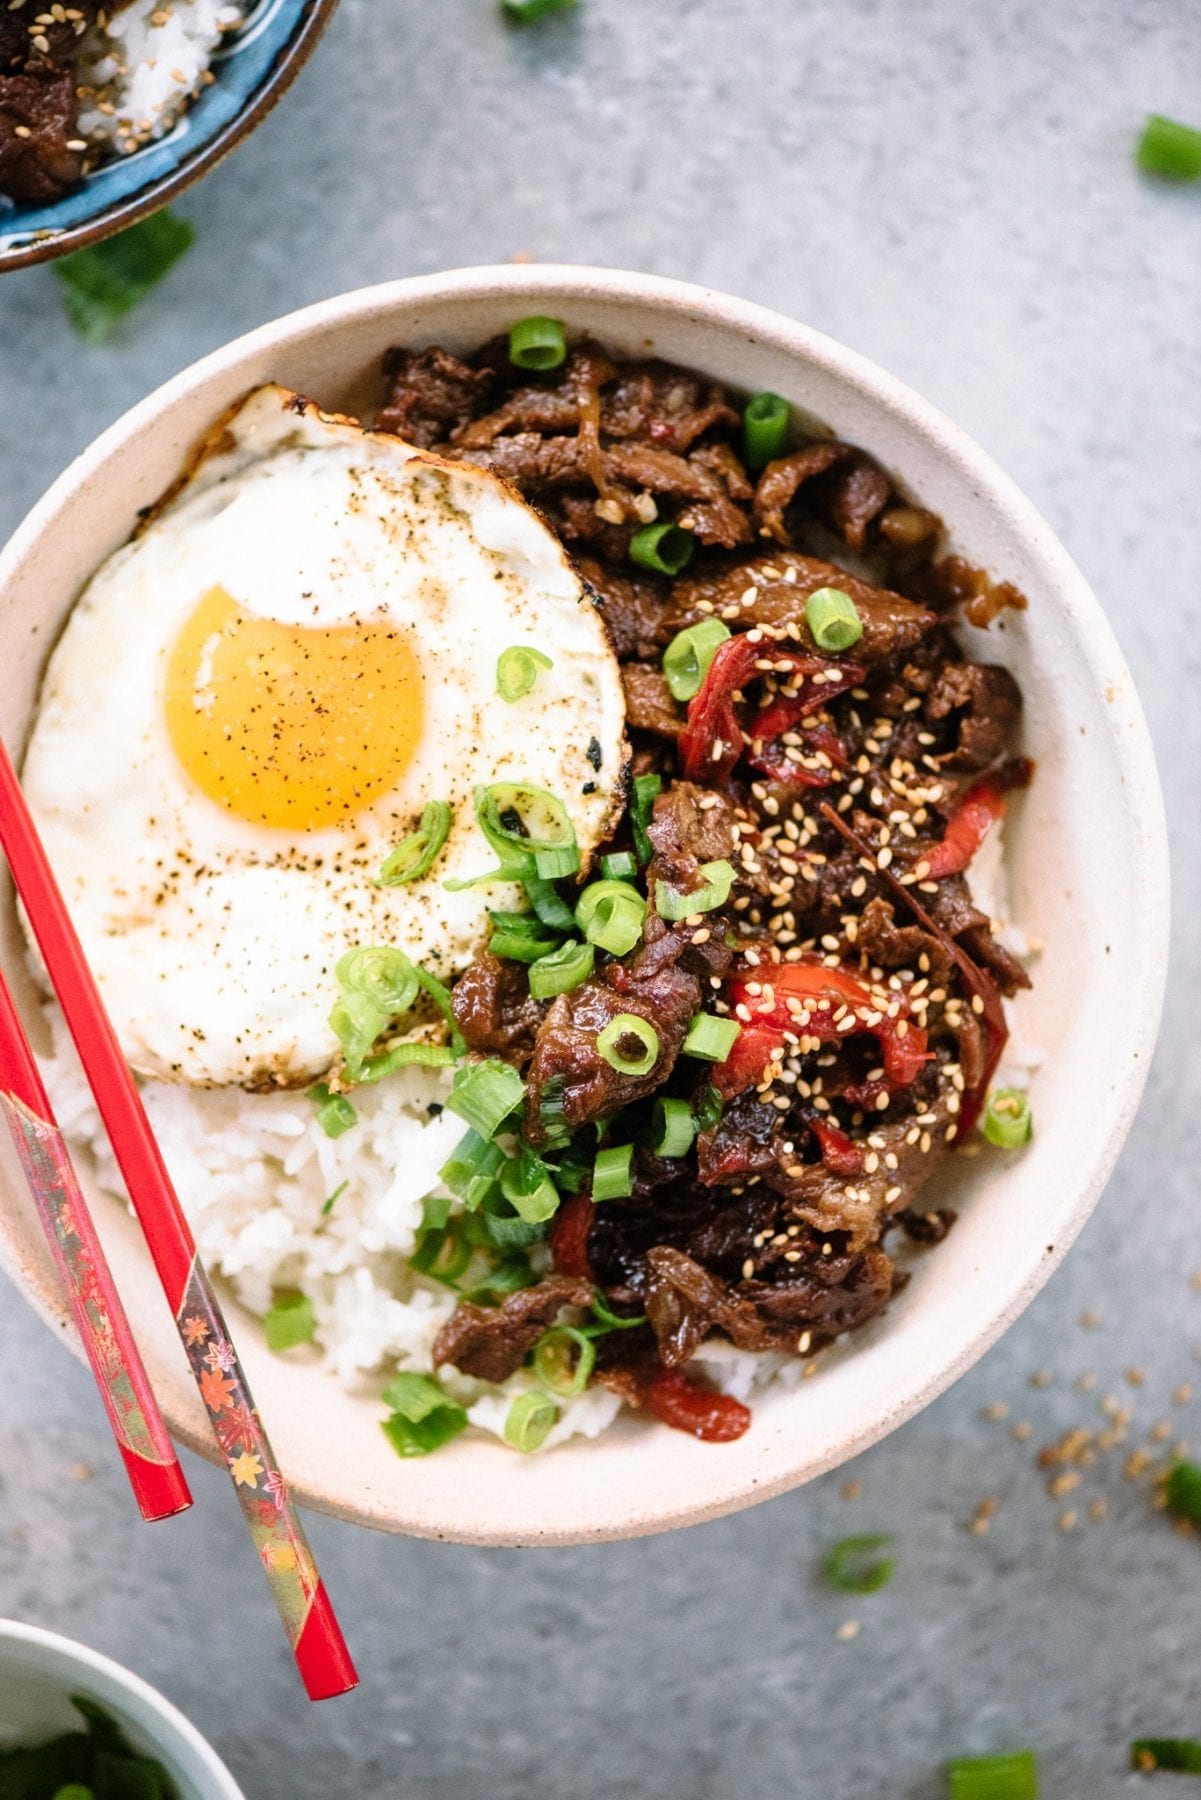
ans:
x=214 y=939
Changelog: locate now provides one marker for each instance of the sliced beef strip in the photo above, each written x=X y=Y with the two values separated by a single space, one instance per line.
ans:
x=656 y=403
x=431 y=395
x=495 y=1010
x=985 y=700
x=22 y=22
x=490 y=1343
x=653 y=986
x=631 y=605
x=891 y=946
x=649 y=702
x=772 y=589
x=846 y=487
x=690 y=825
x=555 y=404
x=39 y=111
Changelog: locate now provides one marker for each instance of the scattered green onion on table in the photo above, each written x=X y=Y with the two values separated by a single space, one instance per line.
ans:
x=1169 y=149
x=105 y=281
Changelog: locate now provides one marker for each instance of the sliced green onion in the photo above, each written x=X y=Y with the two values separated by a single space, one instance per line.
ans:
x=686 y=659
x=562 y=971
x=1007 y=1120
x=337 y=1194
x=407 y=1056
x=708 y=1107
x=765 y=421
x=423 y=1417
x=833 y=619
x=525 y=12
x=719 y=876
x=435 y=1211
x=1180 y=1755
x=416 y=855
x=529 y=1421
x=75 y=1790
x=508 y=1277
x=612 y=1173
x=509 y=1231
x=552 y=1109
x=564 y=1360
x=442 y=1254
x=439 y=993
x=106 y=281
x=384 y=975
x=1183 y=1492
x=571 y=1172
x=664 y=547
x=519 y=820
x=610 y=1320
x=528 y=1188
x=853 y=1568
x=356 y=1022
x=619 y=865
x=642 y=806
x=472 y=1169
x=485 y=1094
x=520 y=937
x=610 y=914
x=289 y=1322
x=672 y=1128
x=517 y=670
x=335 y=1114
x=711 y=1038
x=1012 y=1777
x=615 y=1046
x=1167 y=148
x=536 y=343
x=546 y=902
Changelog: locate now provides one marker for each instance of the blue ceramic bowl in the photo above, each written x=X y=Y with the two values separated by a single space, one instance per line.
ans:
x=252 y=71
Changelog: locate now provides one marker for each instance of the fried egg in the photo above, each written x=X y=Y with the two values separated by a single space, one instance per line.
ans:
x=253 y=702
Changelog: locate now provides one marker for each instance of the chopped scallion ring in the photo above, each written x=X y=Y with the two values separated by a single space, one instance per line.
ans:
x=517 y=670
x=671 y=904
x=619 y=865
x=335 y=1114
x=383 y=974
x=333 y=1199
x=524 y=12
x=564 y=1360
x=664 y=547
x=1170 y=149
x=407 y=1056
x=672 y=1128
x=612 y=1173
x=642 y=806
x=562 y=971
x=610 y=914
x=833 y=619
x=416 y=855
x=528 y=1188
x=1181 y=1755
x=686 y=659
x=1012 y=1777
x=708 y=1108
x=512 y=1232
x=711 y=1038
x=471 y=1170
x=357 y=1021
x=289 y=1322
x=537 y=343
x=423 y=1417
x=439 y=993
x=550 y=908
x=765 y=421
x=529 y=1422
x=485 y=1094
x=617 y=1041
x=521 y=937
x=610 y=1320
x=1008 y=1121
x=852 y=1568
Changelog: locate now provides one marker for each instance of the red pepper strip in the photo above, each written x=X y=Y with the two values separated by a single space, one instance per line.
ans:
x=785 y=712
x=712 y=722
x=682 y=1404
x=979 y=985
x=824 y=993
x=978 y=810
x=840 y=1155
x=569 y=1236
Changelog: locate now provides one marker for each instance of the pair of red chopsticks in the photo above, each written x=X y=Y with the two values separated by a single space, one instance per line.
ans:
x=155 y=1475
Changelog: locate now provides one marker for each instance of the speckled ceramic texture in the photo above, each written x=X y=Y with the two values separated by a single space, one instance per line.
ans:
x=39 y=1671
x=1102 y=941
x=251 y=71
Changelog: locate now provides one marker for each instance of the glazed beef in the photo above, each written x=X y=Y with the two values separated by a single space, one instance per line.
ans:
x=649 y=703
x=40 y=155
x=431 y=394
x=492 y=1342
x=837 y=482
x=494 y=1009
x=984 y=701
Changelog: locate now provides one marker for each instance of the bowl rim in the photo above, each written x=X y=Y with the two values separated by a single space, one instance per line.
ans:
x=72 y=1655
x=1132 y=749
x=310 y=25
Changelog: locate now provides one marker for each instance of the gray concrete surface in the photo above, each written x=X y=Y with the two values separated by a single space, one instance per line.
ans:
x=947 y=185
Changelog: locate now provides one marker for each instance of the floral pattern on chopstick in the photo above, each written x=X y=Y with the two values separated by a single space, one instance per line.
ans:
x=258 y=1483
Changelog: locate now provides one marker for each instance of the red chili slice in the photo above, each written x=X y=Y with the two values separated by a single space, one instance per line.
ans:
x=840 y=1155
x=711 y=741
x=569 y=1237
x=826 y=995
x=979 y=809
x=685 y=1406
x=785 y=714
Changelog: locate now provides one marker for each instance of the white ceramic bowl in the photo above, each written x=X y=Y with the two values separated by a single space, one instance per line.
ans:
x=39 y=1671
x=1088 y=860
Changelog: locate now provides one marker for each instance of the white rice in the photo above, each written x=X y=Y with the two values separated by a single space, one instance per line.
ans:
x=141 y=68
x=255 y=1171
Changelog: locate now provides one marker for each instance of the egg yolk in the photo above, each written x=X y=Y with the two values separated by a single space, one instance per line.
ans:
x=288 y=726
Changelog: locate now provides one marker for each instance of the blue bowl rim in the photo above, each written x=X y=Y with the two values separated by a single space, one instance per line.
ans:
x=118 y=215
